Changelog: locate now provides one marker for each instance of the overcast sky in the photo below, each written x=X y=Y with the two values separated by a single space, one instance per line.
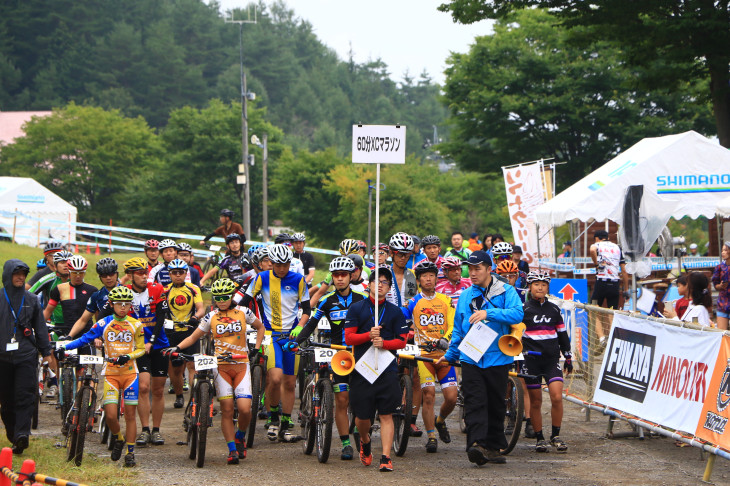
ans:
x=408 y=35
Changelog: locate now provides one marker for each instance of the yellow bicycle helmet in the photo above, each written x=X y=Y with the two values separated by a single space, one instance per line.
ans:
x=223 y=286
x=136 y=263
x=121 y=294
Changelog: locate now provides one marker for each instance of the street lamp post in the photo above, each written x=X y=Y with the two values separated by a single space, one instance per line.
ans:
x=245 y=96
x=265 y=183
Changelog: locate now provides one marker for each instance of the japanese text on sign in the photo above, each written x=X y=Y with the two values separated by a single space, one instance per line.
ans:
x=379 y=144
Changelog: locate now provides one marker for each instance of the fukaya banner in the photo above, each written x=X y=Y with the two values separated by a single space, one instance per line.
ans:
x=658 y=372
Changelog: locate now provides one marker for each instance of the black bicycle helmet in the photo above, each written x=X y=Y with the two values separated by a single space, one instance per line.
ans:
x=430 y=240
x=424 y=267
x=106 y=266
x=227 y=213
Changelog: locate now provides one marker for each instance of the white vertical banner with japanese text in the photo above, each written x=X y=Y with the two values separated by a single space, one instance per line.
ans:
x=525 y=193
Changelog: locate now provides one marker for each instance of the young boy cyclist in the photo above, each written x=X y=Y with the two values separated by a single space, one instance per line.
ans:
x=123 y=339
x=227 y=325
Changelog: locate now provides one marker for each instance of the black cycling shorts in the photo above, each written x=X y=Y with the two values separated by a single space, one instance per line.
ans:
x=154 y=363
x=608 y=290
x=175 y=338
x=541 y=367
x=383 y=396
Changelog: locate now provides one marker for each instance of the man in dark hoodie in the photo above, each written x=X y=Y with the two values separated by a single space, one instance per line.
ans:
x=23 y=334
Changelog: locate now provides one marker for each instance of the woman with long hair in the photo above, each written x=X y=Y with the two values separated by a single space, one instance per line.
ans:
x=721 y=281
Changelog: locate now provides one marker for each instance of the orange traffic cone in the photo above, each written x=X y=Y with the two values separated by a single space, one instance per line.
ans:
x=88 y=248
x=97 y=252
x=76 y=249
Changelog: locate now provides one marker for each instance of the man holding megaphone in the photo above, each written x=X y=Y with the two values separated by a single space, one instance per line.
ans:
x=486 y=311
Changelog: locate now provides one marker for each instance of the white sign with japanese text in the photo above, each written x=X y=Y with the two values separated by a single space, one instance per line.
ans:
x=379 y=144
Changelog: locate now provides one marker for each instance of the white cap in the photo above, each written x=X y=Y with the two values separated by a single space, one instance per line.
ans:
x=693 y=246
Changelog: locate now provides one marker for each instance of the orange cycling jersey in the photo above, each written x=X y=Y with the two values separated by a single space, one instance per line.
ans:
x=433 y=319
x=228 y=329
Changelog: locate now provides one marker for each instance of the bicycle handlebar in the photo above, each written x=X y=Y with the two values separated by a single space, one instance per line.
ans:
x=225 y=357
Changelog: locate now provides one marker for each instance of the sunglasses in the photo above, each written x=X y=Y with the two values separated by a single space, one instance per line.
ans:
x=76 y=272
x=122 y=304
x=178 y=272
x=107 y=275
x=221 y=298
x=341 y=274
x=139 y=272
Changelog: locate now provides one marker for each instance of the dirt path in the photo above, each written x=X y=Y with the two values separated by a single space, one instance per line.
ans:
x=590 y=460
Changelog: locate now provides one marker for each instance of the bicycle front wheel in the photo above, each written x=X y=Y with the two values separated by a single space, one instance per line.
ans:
x=306 y=418
x=257 y=377
x=68 y=386
x=514 y=399
x=325 y=419
x=83 y=420
x=203 y=417
x=403 y=415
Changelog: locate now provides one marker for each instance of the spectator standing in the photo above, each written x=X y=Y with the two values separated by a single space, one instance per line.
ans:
x=610 y=271
x=457 y=250
x=721 y=280
x=23 y=334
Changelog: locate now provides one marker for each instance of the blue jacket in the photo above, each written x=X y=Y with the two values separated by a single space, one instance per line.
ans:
x=504 y=308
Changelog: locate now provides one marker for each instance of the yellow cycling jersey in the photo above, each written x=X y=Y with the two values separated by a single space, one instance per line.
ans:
x=120 y=337
x=433 y=319
x=181 y=301
x=228 y=329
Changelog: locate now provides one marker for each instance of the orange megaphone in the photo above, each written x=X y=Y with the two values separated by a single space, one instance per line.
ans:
x=511 y=344
x=343 y=362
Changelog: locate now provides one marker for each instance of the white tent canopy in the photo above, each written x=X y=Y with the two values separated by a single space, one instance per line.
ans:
x=723 y=207
x=36 y=213
x=686 y=168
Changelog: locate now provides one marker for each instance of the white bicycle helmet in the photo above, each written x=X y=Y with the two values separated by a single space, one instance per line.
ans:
x=401 y=242
x=77 y=263
x=342 y=264
x=298 y=237
x=280 y=253
x=502 y=248
x=62 y=256
x=168 y=243
x=538 y=276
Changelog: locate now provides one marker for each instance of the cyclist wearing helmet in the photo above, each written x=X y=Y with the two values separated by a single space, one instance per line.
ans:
x=283 y=292
x=152 y=252
x=417 y=255
x=227 y=325
x=108 y=272
x=362 y=250
x=381 y=253
x=433 y=321
x=48 y=251
x=459 y=251
x=545 y=333
x=185 y=253
x=508 y=270
x=235 y=263
x=226 y=228
x=150 y=308
x=500 y=251
x=333 y=307
x=431 y=248
x=522 y=265
x=42 y=288
x=404 y=285
x=454 y=283
x=357 y=278
x=347 y=247
x=72 y=296
x=185 y=307
x=161 y=273
x=297 y=242
x=296 y=265
x=123 y=339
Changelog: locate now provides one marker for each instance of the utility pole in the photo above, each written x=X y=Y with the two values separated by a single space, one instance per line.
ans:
x=265 y=189
x=244 y=178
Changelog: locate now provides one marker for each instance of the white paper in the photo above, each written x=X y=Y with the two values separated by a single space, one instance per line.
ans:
x=12 y=346
x=323 y=355
x=203 y=362
x=477 y=340
x=646 y=301
x=366 y=365
x=169 y=324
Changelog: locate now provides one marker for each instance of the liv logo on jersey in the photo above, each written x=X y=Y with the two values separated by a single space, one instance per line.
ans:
x=628 y=368
x=723 y=394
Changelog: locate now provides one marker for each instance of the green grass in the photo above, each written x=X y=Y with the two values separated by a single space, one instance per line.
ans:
x=51 y=461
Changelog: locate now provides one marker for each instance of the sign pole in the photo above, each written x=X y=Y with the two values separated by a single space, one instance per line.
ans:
x=376 y=282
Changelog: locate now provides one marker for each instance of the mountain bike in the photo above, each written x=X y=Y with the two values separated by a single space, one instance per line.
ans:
x=81 y=412
x=258 y=384
x=212 y=262
x=66 y=385
x=198 y=417
x=316 y=412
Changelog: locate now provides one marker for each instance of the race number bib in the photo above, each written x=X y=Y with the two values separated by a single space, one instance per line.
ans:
x=264 y=343
x=323 y=355
x=203 y=362
x=89 y=359
x=324 y=324
x=411 y=349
